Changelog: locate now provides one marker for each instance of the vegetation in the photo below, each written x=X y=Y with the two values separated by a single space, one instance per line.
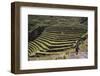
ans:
x=54 y=35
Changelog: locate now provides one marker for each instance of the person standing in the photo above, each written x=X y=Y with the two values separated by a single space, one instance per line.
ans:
x=77 y=47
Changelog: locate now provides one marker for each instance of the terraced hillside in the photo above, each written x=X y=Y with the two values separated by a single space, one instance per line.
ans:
x=55 y=40
x=56 y=37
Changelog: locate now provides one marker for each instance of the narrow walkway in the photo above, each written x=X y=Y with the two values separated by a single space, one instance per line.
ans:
x=79 y=56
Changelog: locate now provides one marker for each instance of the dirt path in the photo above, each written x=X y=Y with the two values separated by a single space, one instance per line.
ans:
x=80 y=55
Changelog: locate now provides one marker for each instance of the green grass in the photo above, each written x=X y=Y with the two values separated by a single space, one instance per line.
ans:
x=52 y=42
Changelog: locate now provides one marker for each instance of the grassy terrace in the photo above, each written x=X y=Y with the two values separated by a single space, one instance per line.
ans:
x=52 y=37
x=54 y=40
